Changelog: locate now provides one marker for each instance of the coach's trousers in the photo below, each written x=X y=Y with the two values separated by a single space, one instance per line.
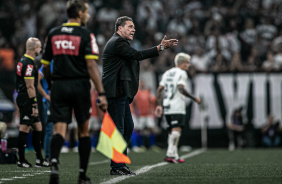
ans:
x=119 y=111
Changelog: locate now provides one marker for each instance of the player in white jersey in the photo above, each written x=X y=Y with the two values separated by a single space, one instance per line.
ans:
x=173 y=83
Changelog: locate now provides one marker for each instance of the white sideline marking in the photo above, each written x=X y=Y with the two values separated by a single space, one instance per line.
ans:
x=18 y=177
x=147 y=168
x=101 y=162
x=22 y=176
x=28 y=171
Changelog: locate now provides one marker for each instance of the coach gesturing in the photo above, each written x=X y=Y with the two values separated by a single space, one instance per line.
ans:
x=121 y=77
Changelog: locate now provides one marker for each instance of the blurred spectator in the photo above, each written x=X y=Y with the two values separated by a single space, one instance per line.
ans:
x=248 y=37
x=2 y=39
x=106 y=17
x=29 y=20
x=179 y=25
x=127 y=8
x=145 y=126
x=236 y=64
x=266 y=30
x=269 y=64
x=217 y=42
x=261 y=46
x=270 y=131
x=232 y=37
x=253 y=62
x=200 y=61
x=147 y=14
x=220 y=63
x=278 y=58
x=214 y=22
x=194 y=39
x=7 y=55
x=236 y=129
x=277 y=42
x=48 y=13
x=164 y=62
x=147 y=74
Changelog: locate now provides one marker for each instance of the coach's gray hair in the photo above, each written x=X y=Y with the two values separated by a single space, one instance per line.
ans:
x=181 y=58
x=121 y=21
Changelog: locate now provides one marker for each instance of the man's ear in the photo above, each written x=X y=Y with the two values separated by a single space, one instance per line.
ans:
x=80 y=13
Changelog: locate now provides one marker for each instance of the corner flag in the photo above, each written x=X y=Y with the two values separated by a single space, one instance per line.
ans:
x=111 y=142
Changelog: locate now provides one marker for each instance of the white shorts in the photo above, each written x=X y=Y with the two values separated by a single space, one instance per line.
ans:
x=73 y=123
x=143 y=122
x=94 y=123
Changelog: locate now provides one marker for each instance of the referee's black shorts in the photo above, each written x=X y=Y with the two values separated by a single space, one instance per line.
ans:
x=25 y=116
x=68 y=95
x=25 y=109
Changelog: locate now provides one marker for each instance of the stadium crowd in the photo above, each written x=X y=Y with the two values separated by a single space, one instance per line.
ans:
x=231 y=35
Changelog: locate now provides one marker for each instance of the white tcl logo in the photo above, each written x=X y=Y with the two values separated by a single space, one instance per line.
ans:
x=65 y=29
x=64 y=44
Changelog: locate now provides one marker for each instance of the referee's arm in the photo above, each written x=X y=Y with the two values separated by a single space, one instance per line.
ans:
x=94 y=74
x=32 y=95
x=30 y=88
x=95 y=77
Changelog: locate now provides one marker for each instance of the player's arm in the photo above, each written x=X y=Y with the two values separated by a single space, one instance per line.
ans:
x=32 y=95
x=40 y=88
x=183 y=91
x=159 y=108
x=95 y=77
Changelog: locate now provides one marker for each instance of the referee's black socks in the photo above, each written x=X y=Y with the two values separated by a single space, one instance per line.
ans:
x=22 y=139
x=84 y=149
x=56 y=145
x=36 y=137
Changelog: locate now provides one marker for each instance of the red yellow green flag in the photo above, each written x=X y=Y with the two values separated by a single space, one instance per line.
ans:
x=111 y=142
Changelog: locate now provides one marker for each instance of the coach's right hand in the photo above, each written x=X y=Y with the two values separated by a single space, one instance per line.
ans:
x=102 y=103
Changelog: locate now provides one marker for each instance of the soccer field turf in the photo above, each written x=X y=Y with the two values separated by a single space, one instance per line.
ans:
x=200 y=166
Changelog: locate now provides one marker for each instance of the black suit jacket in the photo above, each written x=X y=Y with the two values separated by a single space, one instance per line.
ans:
x=121 y=67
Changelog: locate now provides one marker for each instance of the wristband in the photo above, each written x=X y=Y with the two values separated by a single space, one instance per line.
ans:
x=32 y=100
x=102 y=94
x=34 y=106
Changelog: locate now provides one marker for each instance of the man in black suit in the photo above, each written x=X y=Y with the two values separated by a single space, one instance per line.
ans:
x=121 y=78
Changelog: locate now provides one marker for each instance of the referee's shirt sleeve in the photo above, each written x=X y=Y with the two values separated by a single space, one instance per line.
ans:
x=47 y=51
x=91 y=49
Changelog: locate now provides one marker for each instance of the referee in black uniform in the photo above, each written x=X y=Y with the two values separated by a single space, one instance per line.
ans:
x=74 y=51
x=27 y=80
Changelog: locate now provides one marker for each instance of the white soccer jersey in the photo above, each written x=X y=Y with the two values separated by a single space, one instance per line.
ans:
x=173 y=100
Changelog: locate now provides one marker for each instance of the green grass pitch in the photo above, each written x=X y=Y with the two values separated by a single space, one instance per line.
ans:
x=257 y=166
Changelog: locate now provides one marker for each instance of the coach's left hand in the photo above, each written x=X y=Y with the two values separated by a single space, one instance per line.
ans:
x=169 y=43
